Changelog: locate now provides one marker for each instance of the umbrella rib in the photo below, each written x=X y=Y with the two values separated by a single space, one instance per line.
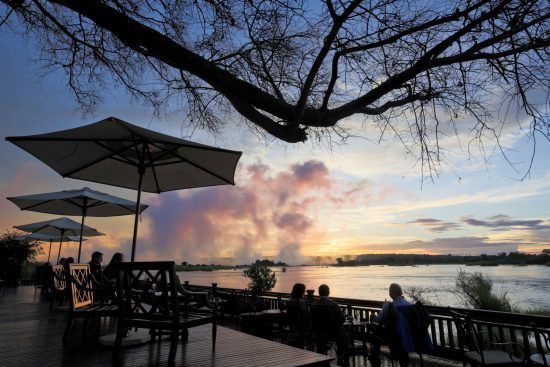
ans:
x=35 y=205
x=152 y=164
x=204 y=169
x=24 y=138
x=94 y=161
x=194 y=164
x=183 y=142
x=115 y=153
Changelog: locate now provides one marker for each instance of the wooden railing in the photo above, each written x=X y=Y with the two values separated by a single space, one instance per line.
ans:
x=493 y=325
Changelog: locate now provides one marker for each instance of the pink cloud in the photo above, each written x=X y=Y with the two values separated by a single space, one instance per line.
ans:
x=267 y=212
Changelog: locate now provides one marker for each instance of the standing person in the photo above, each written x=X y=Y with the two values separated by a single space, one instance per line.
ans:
x=328 y=323
x=396 y=294
x=95 y=266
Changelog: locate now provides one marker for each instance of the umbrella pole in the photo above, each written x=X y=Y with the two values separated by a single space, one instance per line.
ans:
x=59 y=251
x=50 y=251
x=81 y=230
x=141 y=172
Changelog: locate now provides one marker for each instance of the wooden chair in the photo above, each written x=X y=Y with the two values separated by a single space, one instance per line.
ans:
x=329 y=329
x=3 y=280
x=59 y=284
x=81 y=296
x=478 y=350
x=407 y=332
x=542 y=340
x=148 y=296
x=298 y=324
x=39 y=279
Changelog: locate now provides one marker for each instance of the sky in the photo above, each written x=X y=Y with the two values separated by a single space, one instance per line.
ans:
x=302 y=203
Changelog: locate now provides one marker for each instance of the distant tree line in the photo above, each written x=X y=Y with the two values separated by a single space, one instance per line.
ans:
x=185 y=266
x=512 y=258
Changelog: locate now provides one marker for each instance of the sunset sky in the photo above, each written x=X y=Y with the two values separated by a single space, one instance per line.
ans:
x=290 y=202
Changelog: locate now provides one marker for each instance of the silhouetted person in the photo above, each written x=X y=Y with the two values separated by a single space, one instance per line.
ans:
x=48 y=277
x=109 y=273
x=95 y=265
x=298 y=316
x=69 y=260
x=328 y=323
x=396 y=294
x=61 y=261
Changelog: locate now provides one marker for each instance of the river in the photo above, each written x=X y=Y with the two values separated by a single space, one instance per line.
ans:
x=526 y=286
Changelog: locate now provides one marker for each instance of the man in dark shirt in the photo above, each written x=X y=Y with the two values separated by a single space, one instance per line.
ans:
x=328 y=323
x=95 y=265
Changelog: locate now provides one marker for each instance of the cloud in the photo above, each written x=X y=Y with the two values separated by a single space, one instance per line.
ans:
x=451 y=245
x=502 y=222
x=435 y=225
x=267 y=214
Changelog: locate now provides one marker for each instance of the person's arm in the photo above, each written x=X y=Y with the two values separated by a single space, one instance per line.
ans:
x=383 y=315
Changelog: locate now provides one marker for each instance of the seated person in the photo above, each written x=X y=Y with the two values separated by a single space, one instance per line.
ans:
x=95 y=266
x=396 y=294
x=298 y=316
x=328 y=324
x=109 y=273
x=104 y=288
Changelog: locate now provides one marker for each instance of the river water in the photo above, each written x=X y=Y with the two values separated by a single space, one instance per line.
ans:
x=526 y=286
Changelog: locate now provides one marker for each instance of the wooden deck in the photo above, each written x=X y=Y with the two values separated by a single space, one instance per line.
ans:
x=30 y=335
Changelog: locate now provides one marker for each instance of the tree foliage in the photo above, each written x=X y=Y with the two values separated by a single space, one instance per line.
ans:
x=296 y=69
x=14 y=253
x=262 y=279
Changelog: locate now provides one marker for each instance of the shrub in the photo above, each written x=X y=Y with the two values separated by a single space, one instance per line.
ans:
x=262 y=279
x=14 y=253
x=476 y=291
x=417 y=294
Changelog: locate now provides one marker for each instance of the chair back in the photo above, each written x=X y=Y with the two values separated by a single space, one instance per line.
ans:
x=542 y=340
x=297 y=317
x=325 y=321
x=146 y=291
x=467 y=335
x=81 y=291
x=408 y=328
x=59 y=281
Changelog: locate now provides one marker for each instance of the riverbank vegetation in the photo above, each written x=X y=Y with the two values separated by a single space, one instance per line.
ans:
x=512 y=258
x=476 y=290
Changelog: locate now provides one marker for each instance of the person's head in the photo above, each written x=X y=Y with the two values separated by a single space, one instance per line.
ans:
x=97 y=257
x=324 y=290
x=117 y=258
x=62 y=261
x=70 y=260
x=298 y=291
x=395 y=291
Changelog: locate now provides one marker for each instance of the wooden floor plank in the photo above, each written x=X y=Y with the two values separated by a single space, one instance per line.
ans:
x=30 y=335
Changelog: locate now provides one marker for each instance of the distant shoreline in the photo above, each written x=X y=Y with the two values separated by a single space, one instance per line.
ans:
x=512 y=258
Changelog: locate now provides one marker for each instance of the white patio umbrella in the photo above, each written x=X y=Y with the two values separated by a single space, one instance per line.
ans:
x=83 y=202
x=61 y=227
x=46 y=237
x=115 y=152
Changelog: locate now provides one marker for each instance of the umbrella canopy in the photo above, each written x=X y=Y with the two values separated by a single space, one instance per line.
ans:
x=46 y=237
x=83 y=202
x=60 y=227
x=115 y=152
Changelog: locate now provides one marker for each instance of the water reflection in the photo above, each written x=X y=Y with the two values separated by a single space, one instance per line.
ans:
x=525 y=285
